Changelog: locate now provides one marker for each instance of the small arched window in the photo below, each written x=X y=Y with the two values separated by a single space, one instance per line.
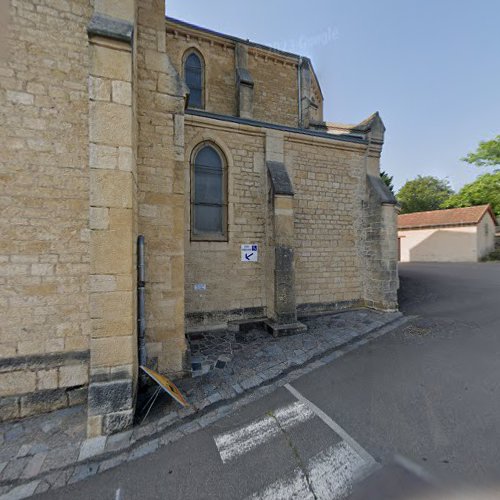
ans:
x=208 y=194
x=194 y=76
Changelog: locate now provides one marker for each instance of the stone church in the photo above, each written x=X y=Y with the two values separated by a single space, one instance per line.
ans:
x=118 y=122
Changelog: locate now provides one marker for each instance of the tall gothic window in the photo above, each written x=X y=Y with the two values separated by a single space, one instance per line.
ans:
x=194 y=77
x=208 y=194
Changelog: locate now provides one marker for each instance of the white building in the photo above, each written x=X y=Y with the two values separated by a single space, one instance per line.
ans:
x=452 y=235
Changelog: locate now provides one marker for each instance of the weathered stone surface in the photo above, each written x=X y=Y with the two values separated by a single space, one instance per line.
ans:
x=113 y=351
x=43 y=401
x=110 y=63
x=116 y=422
x=17 y=383
x=73 y=375
x=9 y=408
x=109 y=27
x=104 y=118
x=110 y=397
x=280 y=179
x=110 y=189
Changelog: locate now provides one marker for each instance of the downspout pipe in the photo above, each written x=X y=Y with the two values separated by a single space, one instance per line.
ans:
x=141 y=299
x=299 y=85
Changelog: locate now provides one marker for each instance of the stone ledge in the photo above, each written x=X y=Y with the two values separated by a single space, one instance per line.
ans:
x=110 y=27
x=283 y=329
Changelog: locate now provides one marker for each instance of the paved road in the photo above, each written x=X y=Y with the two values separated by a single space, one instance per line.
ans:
x=426 y=395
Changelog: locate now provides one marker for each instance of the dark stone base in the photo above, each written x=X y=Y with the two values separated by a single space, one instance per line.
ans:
x=110 y=397
x=210 y=318
x=281 y=330
x=316 y=309
x=245 y=325
x=116 y=422
x=44 y=401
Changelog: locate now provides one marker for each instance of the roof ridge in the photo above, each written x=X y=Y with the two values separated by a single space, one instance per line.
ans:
x=446 y=217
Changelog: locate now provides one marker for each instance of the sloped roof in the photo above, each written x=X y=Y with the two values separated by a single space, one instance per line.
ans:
x=448 y=217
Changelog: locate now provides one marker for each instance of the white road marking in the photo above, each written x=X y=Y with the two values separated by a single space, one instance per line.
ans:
x=333 y=425
x=235 y=443
x=118 y=494
x=331 y=475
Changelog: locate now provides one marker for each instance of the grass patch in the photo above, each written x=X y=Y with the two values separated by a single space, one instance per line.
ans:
x=493 y=256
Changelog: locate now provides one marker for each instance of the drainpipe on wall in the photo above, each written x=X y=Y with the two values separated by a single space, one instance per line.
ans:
x=141 y=290
x=299 y=83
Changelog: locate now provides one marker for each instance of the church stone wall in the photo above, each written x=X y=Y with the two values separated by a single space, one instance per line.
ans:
x=234 y=289
x=344 y=238
x=275 y=89
x=220 y=79
x=326 y=181
x=44 y=182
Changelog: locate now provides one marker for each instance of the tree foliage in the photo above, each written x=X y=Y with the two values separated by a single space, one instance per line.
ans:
x=388 y=179
x=487 y=154
x=423 y=193
x=485 y=189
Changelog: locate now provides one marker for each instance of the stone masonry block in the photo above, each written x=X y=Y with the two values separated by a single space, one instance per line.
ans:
x=111 y=305
x=18 y=382
x=103 y=157
x=20 y=97
x=110 y=189
x=73 y=375
x=99 y=89
x=113 y=351
x=121 y=9
x=111 y=63
x=102 y=283
x=112 y=327
x=115 y=422
x=9 y=408
x=126 y=159
x=122 y=92
x=110 y=124
x=111 y=252
x=110 y=397
x=47 y=379
x=43 y=401
x=99 y=218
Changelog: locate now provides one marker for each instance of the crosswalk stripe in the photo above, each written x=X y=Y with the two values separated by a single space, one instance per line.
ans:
x=235 y=443
x=330 y=476
x=332 y=424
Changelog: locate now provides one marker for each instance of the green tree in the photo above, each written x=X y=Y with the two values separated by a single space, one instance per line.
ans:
x=388 y=179
x=423 y=193
x=485 y=189
x=487 y=154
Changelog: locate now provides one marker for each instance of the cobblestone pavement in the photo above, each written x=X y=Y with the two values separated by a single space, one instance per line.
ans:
x=51 y=450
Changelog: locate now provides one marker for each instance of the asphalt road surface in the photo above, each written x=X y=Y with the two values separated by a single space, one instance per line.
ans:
x=416 y=407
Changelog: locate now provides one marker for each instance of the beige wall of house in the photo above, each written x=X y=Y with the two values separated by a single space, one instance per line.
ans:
x=445 y=244
x=448 y=244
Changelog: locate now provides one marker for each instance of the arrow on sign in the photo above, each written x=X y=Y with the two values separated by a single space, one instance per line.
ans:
x=248 y=255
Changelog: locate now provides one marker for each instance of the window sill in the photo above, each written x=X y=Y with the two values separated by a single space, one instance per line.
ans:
x=209 y=237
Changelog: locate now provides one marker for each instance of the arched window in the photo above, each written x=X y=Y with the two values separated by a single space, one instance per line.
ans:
x=194 y=76
x=208 y=193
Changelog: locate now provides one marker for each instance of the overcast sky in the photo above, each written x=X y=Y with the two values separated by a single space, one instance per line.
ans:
x=430 y=67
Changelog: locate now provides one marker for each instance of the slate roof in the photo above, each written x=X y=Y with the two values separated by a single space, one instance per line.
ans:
x=448 y=217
